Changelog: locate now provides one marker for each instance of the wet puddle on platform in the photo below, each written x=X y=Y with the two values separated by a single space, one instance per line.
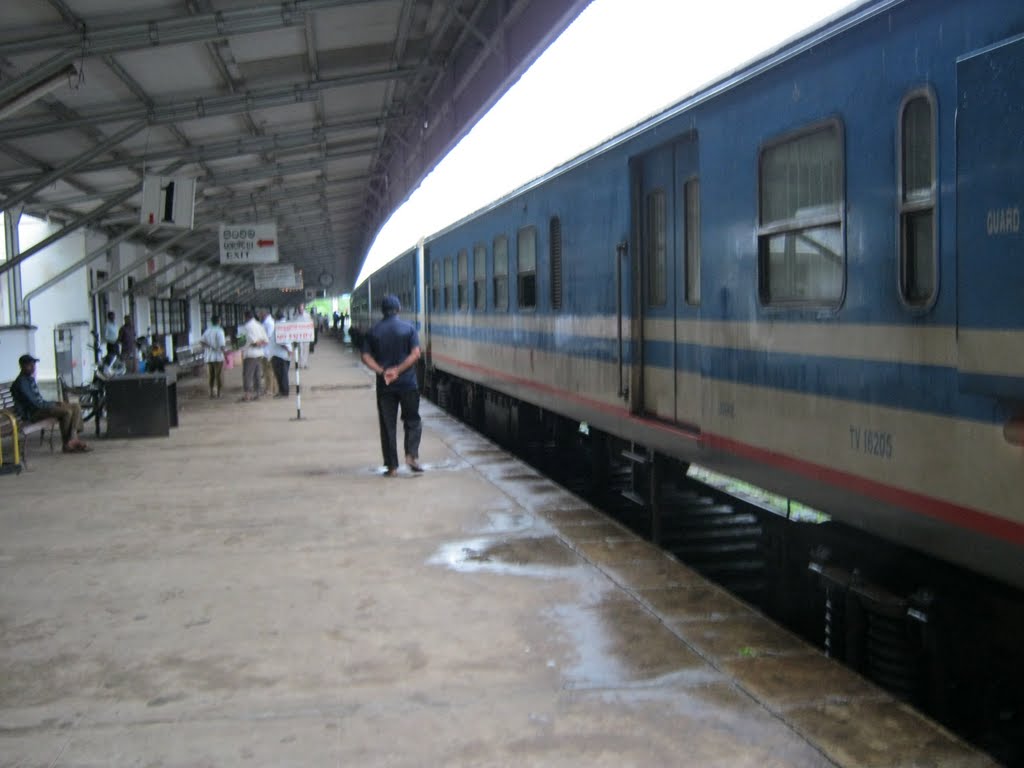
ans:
x=617 y=643
x=539 y=557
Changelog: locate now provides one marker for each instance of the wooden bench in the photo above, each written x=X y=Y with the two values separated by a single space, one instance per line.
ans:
x=12 y=426
x=189 y=360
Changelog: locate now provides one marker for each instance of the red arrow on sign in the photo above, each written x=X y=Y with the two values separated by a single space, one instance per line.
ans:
x=264 y=243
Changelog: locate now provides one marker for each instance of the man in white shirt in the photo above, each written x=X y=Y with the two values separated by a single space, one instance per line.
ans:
x=110 y=337
x=213 y=342
x=280 y=359
x=252 y=356
x=269 y=379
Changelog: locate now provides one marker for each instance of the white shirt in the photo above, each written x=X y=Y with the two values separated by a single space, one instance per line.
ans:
x=268 y=327
x=273 y=349
x=110 y=332
x=213 y=344
x=254 y=333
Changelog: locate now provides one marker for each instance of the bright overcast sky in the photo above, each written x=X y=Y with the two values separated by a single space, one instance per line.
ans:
x=619 y=62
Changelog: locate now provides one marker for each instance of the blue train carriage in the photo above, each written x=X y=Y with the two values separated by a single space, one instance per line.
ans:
x=807 y=274
x=401 y=277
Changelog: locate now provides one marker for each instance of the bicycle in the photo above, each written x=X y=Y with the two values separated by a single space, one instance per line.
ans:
x=92 y=397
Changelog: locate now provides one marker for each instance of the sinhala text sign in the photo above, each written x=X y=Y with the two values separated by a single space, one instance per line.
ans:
x=248 y=243
x=293 y=332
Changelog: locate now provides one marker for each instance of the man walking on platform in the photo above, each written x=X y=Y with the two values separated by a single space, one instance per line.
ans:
x=391 y=350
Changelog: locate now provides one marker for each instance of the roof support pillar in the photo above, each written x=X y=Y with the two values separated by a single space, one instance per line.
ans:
x=11 y=248
x=113 y=279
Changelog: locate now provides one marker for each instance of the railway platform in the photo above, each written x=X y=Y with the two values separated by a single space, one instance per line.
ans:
x=249 y=591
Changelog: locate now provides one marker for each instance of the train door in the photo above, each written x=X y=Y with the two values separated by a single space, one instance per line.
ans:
x=656 y=229
x=667 y=207
x=990 y=230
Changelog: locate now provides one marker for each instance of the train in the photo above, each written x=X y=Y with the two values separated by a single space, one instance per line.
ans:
x=808 y=274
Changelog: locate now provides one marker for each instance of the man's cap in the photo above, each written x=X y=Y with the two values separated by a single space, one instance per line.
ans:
x=390 y=303
x=26 y=359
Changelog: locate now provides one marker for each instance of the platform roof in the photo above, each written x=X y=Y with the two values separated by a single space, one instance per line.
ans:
x=320 y=115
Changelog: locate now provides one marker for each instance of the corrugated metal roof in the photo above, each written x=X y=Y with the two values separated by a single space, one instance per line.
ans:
x=319 y=114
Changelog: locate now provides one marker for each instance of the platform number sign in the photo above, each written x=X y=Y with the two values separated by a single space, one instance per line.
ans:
x=248 y=243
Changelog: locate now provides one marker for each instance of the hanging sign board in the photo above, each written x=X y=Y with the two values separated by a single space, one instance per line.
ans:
x=289 y=332
x=168 y=201
x=280 y=276
x=248 y=243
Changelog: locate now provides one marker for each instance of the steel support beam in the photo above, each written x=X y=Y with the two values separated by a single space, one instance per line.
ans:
x=202 y=279
x=113 y=279
x=227 y=289
x=289 y=141
x=171 y=264
x=210 y=106
x=83 y=262
x=279 y=169
x=188 y=272
x=173 y=30
x=77 y=224
x=63 y=170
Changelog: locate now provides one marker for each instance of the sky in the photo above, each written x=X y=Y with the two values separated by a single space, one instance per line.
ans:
x=619 y=62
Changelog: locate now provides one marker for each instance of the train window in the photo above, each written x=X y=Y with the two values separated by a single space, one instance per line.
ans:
x=801 y=254
x=501 y=272
x=449 y=282
x=463 y=267
x=918 y=252
x=527 y=254
x=435 y=284
x=655 y=242
x=691 y=219
x=556 y=262
x=480 y=276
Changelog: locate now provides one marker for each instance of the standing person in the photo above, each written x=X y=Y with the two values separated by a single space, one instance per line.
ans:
x=391 y=350
x=303 y=315
x=30 y=406
x=280 y=359
x=126 y=339
x=213 y=342
x=252 y=357
x=269 y=377
x=110 y=337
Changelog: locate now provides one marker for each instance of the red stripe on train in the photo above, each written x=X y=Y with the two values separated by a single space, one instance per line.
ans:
x=928 y=506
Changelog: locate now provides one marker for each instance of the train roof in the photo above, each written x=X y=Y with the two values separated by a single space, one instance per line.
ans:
x=837 y=24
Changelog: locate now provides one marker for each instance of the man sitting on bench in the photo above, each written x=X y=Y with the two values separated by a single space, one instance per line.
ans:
x=30 y=406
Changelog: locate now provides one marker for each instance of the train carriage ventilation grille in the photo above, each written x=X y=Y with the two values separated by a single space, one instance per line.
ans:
x=556 y=263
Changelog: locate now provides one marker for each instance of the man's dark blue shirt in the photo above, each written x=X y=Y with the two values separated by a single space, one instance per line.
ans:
x=27 y=400
x=389 y=342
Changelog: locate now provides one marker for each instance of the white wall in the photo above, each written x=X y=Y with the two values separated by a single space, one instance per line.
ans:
x=66 y=302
